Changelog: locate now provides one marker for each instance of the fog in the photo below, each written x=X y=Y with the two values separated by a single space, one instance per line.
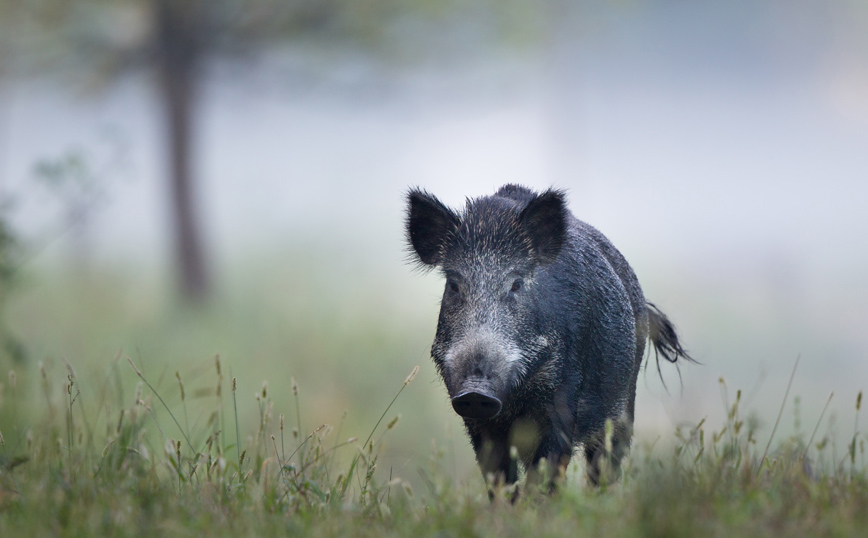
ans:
x=723 y=150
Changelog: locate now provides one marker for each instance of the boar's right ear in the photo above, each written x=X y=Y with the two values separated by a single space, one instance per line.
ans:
x=544 y=221
x=429 y=226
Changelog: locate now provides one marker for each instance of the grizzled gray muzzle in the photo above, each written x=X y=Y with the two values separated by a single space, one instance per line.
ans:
x=473 y=404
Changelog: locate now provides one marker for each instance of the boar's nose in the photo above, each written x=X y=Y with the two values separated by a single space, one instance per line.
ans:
x=472 y=404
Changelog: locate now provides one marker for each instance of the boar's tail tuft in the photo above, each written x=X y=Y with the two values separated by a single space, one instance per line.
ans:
x=663 y=337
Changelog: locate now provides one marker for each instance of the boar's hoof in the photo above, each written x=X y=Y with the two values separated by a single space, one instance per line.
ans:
x=473 y=404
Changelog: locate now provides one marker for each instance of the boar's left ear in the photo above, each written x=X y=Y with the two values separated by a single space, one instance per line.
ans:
x=429 y=225
x=544 y=221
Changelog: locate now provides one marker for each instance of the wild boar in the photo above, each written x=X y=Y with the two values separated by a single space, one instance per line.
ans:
x=541 y=332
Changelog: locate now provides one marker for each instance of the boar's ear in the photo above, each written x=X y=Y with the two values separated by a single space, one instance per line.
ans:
x=544 y=221
x=429 y=226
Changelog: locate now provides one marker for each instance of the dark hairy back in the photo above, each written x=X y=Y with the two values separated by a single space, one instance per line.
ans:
x=586 y=235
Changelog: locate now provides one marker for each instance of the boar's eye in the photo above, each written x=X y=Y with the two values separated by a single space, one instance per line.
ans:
x=452 y=286
x=516 y=285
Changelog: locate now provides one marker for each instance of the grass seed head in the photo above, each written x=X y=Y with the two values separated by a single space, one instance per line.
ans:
x=610 y=431
x=412 y=375
x=133 y=365
x=392 y=422
x=180 y=384
x=70 y=369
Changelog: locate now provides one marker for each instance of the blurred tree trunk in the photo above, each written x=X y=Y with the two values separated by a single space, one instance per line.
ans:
x=179 y=47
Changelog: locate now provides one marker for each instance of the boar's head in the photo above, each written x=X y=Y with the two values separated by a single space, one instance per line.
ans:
x=492 y=329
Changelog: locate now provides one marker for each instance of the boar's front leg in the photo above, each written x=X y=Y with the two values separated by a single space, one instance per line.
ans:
x=555 y=440
x=602 y=466
x=557 y=450
x=493 y=455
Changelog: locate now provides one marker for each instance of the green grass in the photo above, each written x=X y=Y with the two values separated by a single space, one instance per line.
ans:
x=78 y=471
x=125 y=421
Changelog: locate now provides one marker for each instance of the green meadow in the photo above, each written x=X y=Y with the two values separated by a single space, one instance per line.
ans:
x=301 y=401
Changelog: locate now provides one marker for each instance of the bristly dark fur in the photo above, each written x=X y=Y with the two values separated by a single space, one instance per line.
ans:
x=542 y=330
x=424 y=250
x=546 y=215
x=519 y=193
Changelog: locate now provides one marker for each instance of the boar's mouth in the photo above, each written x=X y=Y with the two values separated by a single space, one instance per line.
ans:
x=475 y=404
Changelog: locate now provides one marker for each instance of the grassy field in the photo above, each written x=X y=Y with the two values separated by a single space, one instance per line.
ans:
x=296 y=408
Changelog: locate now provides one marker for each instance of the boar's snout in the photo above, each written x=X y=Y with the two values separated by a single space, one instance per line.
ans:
x=474 y=376
x=474 y=404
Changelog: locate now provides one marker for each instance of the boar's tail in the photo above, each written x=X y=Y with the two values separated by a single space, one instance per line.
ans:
x=663 y=337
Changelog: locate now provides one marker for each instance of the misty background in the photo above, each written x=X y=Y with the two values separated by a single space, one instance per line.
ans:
x=722 y=147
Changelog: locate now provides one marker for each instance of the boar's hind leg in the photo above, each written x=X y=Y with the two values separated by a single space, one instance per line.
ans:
x=603 y=467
